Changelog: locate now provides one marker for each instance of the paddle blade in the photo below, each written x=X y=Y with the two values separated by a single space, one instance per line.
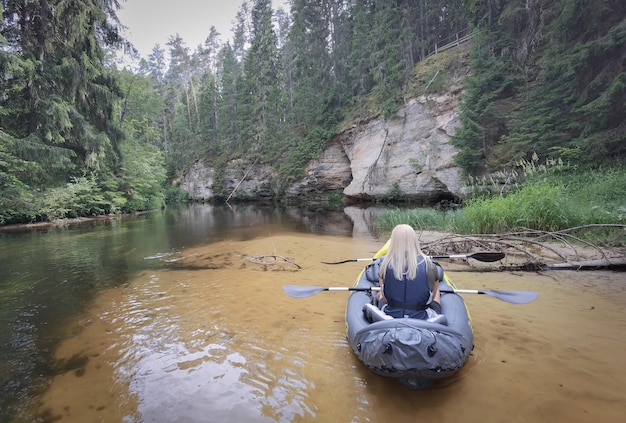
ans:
x=487 y=257
x=339 y=262
x=347 y=261
x=514 y=297
x=297 y=291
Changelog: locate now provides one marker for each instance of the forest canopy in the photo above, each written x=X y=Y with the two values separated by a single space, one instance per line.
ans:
x=82 y=135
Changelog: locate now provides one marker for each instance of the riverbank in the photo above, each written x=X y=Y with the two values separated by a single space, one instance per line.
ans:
x=524 y=250
x=59 y=223
x=527 y=250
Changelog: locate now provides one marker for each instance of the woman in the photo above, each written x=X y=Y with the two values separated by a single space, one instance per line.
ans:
x=408 y=278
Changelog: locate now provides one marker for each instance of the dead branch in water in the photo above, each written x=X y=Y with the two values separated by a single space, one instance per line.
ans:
x=533 y=250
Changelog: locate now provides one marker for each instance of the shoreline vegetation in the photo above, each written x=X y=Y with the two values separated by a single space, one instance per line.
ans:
x=554 y=216
x=59 y=223
x=548 y=200
x=554 y=219
x=532 y=250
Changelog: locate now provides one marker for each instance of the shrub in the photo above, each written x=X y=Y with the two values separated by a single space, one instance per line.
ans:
x=81 y=197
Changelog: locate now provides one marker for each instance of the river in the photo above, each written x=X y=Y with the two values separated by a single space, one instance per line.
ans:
x=180 y=316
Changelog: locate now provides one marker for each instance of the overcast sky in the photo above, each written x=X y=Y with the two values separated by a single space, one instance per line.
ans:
x=152 y=22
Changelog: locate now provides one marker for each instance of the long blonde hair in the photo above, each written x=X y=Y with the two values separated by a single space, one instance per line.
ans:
x=403 y=253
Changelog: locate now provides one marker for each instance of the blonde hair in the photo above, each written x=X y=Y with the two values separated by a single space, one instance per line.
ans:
x=402 y=255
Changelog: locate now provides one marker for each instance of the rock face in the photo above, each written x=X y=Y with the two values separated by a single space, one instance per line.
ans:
x=408 y=156
x=411 y=154
x=247 y=179
x=330 y=173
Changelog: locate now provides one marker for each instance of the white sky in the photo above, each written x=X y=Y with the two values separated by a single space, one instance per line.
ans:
x=151 y=22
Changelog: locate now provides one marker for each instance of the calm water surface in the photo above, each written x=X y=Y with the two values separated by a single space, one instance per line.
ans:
x=181 y=317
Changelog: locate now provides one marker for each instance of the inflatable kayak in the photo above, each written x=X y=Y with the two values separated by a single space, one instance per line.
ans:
x=416 y=352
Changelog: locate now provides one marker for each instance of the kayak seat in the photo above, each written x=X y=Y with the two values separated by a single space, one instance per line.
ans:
x=374 y=314
x=439 y=318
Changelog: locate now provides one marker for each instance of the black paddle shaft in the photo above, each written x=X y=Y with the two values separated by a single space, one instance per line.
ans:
x=487 y=257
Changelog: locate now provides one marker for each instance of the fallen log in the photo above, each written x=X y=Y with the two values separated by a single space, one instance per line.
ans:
x=618 y=263
x=533 y=250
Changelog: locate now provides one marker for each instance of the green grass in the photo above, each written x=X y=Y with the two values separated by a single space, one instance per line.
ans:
x=548 y=203
x=417 y=218
x=540 y=206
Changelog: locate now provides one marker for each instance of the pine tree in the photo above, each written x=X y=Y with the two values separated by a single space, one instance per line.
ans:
x=259 y=92
x=228 y=77
x=156 y=69
x=59 y=98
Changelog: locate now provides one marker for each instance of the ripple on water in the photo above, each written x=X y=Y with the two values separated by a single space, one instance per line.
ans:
x=180 y=345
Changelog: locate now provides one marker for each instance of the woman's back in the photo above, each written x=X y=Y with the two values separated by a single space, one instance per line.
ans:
x=407 y=297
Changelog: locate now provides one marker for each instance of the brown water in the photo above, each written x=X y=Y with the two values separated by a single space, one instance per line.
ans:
x=214 y=338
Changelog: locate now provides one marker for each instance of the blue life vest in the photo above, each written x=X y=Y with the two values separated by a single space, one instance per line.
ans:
x=406 y=297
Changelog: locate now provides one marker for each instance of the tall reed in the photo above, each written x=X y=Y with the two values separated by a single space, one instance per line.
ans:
x=548 y=202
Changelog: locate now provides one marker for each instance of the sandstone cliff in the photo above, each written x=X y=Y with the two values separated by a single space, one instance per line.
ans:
x=407 y=156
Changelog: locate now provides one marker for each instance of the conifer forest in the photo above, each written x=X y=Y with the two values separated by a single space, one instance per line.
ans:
x=87 y=127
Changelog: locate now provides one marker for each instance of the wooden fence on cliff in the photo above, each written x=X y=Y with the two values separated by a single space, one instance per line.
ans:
x=452 y=41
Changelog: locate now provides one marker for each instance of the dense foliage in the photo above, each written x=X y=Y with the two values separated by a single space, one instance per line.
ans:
x=62 y=140
x=82 y=135
x=547 y=77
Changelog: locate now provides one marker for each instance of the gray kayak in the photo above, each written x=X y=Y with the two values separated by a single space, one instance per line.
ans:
x=416 y=352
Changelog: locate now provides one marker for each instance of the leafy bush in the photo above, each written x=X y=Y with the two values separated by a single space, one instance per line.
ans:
x=144 y=178
x=79 y=198
x=395 y=194
x=174 y=195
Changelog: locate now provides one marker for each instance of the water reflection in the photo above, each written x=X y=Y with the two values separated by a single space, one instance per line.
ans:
x=182 y=344
x=47 y=275
x=166 y=319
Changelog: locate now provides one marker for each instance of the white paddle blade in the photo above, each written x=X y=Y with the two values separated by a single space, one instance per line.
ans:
x=298 y=291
